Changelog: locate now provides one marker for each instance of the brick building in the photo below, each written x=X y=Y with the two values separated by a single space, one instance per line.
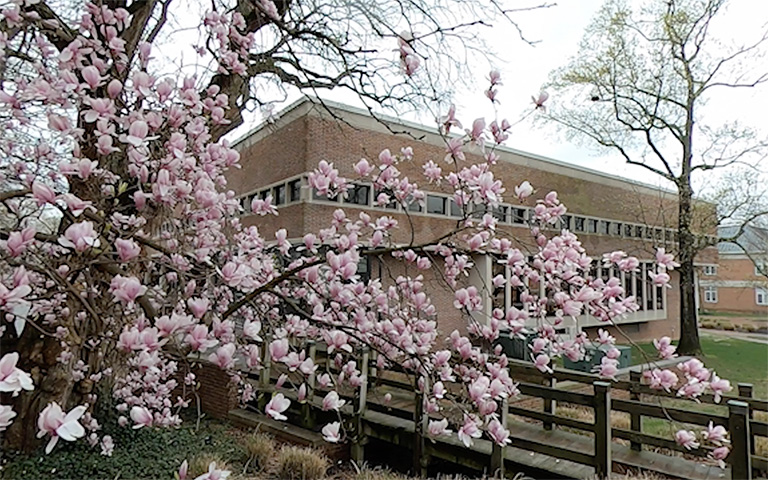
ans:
x=738 y=283
x=608 y=213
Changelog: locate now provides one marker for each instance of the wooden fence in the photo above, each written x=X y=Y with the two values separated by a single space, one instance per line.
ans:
x=594 y=448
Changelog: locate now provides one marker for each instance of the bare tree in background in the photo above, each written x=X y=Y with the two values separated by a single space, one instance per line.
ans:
x=637 y=87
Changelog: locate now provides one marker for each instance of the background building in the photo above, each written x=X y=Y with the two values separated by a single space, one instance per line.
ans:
x=607 y=212
x=738 y=283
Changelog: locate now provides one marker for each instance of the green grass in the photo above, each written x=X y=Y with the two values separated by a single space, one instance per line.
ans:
x=751 y=316
x=739 y=361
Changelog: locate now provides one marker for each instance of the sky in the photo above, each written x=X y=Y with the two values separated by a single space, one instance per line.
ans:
x=557 y=31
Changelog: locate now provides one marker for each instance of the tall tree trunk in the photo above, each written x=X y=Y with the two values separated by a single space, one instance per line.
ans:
x=53 y=383
x=689 y=328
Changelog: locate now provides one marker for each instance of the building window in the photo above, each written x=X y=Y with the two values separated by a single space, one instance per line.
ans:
x=392 y=203
x=518 y=215
x=605 y=227
x=710 y=294
x=591 y=225
x=413 y=204
x=565 y=222
x=435 y=205
x=358 y=194
x=628 y=231
x=278 y=194
x=579 y=225
x=456 y=210
x=294 y=190
x=761 y=267
x=761 y=296
x=710 y=270
x=500 y=213
x=616 y=229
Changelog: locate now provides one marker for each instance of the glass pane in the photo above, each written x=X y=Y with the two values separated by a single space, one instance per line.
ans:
x=358 y=195
x=456 y=210
x=278 y=195
x=518 y=215
x=294 y=191
x=435 y=204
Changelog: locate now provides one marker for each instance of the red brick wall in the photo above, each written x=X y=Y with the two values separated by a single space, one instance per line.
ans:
x=736 y=281
x=297 y=146
x=218 y=393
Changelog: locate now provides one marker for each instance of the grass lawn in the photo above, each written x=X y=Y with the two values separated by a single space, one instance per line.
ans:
x=739 y=361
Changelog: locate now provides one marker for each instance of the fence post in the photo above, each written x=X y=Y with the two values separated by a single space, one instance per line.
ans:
x=420 y=421
x=602 y=406
x=549 y=404
x=357 y=452
x=265 y=374
x=307 y=410
x=746 y=390
x=738 y=424
x=498 y=452
x=635 y=419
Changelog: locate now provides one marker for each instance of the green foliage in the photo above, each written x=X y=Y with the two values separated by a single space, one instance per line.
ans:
x=145 y=453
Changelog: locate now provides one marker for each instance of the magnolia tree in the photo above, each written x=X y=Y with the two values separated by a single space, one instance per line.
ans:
x=150 y=269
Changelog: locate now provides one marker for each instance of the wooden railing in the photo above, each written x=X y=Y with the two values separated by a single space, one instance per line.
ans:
x=596 y=395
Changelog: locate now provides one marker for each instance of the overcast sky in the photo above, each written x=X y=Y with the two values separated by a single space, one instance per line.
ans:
x=557 y=31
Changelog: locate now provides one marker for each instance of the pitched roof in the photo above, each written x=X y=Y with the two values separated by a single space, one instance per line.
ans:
x=752 y=240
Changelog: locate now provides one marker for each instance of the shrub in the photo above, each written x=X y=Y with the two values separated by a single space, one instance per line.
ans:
x=297 y=463
x=708 y=324
x=729 y=327
x=368 y=473
x=198 y=464
x=261 y=449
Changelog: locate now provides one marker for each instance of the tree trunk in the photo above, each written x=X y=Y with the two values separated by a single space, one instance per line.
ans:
x=689 y=328
x=53 y=383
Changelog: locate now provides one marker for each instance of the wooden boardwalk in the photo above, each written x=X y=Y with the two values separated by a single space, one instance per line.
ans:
x=544 y=442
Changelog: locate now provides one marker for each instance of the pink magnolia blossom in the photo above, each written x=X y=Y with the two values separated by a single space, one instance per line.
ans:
x=141 y=417
x=13 y=379
x=127 y=249
x=276 y=406
x=719 y=386
x=498 y=433
x=223 y=357
x=52 y=421
x=18 y=242
x=6 y=417
x=214 y=473
x=43 y=193
x=331 y=432
x=539 y=100
x=523 y=191
x=332 y=401
x=126 y=289
x=542 y=363
x=183 y=470
x=80 y=237
x=438 y=428
x=686 y=439
x=720 y=454
x=715 y=434
x=469 y=431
